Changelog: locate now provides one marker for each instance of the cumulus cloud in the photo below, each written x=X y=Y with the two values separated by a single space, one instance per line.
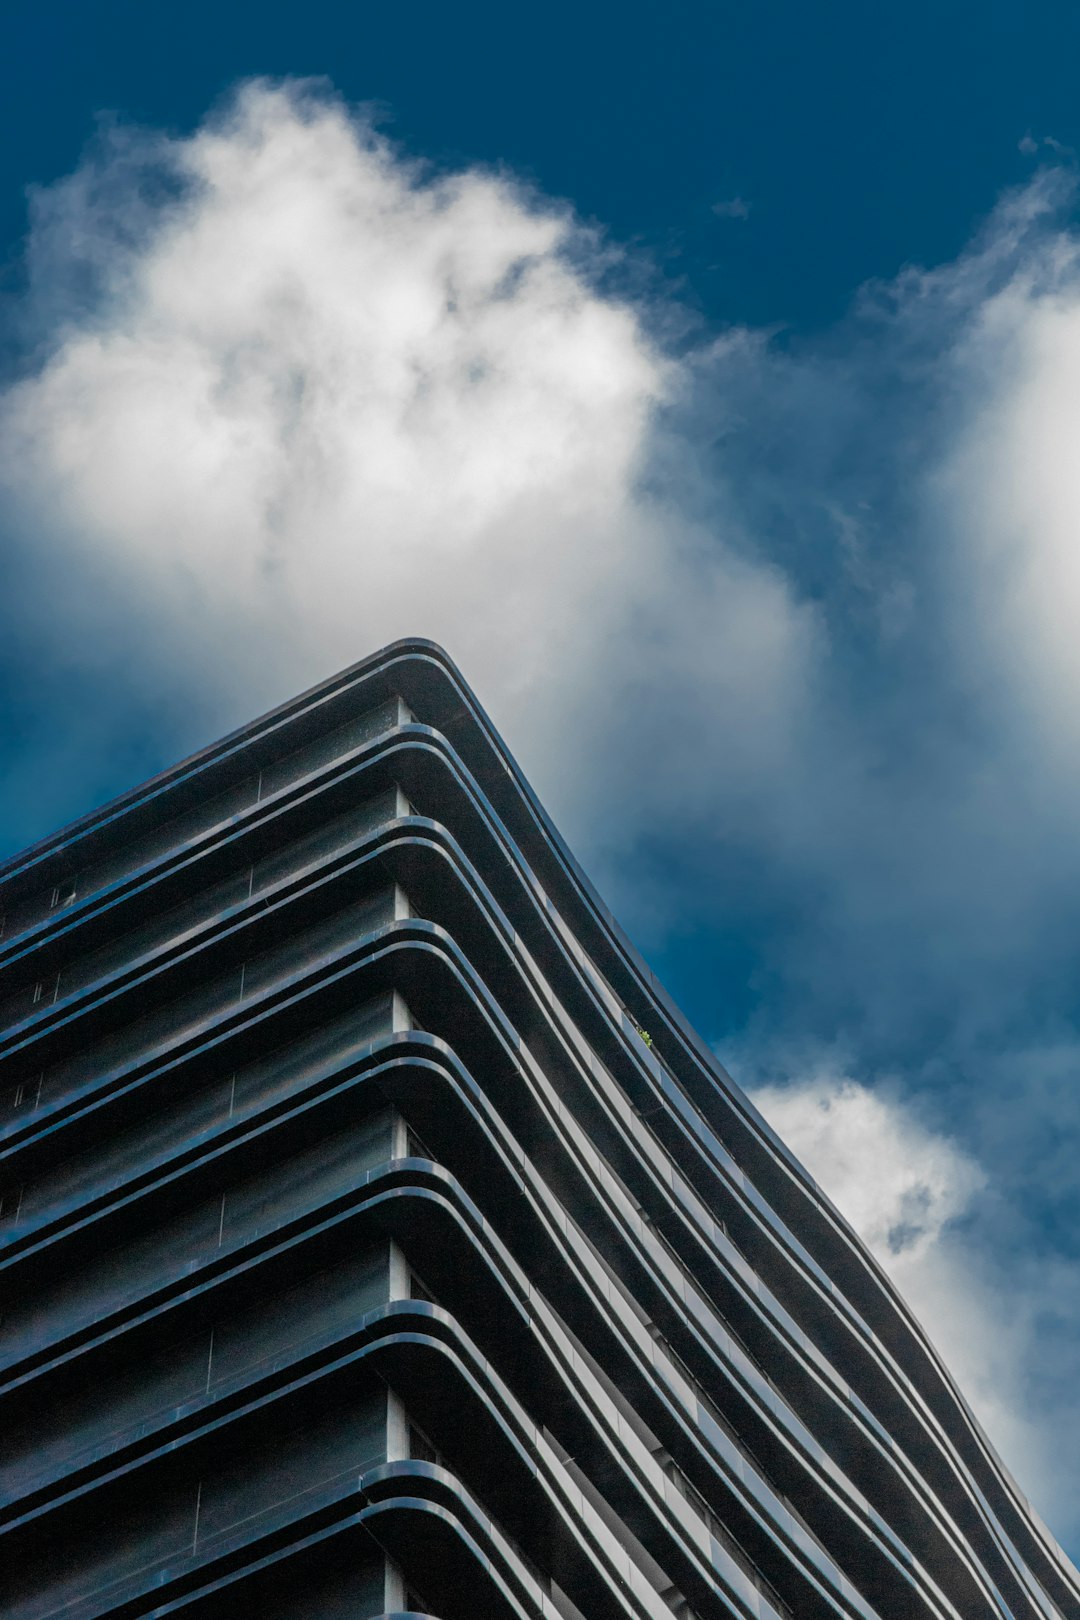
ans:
x=1018 y=460
x=330 y=397
x=899 y=1184
x=318 y=398
x=917 y=1198
x=782 y=630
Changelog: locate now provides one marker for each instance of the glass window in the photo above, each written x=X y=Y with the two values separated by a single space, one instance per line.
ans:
x=327 y=937
x=140 y=848
x=323 y=841
x=180 y=1016
x=332 y=745
x=315 y=1310
x=57 y=1429
x=291 y=1066
x=184 y=1014
x=67 y=1417
x=342 y=1578
x=92 y=1286
x=111 y=1161
x=332 y=1166
x=124 y=1537
x=183 y=1114
x=98 y=1284
x=279 y=1470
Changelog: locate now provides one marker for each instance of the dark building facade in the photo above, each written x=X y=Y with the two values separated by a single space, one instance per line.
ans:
x=377 y=1238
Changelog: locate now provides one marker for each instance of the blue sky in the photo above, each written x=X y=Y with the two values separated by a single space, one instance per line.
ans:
x=862 y=137
x=711 y=388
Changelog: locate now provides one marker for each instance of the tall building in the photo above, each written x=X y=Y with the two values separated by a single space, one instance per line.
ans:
x=377 y=1237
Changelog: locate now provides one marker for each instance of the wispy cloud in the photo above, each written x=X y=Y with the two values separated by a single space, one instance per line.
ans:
x=784 y=634
x=732 y=208
x=1029 y=145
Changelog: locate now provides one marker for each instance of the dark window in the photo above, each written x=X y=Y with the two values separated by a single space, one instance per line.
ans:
x=420 y=1446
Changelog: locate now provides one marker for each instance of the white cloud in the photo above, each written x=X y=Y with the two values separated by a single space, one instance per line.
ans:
x=907 y=1190
x=323 y=399
x=1016 y=472
x=899 y=1184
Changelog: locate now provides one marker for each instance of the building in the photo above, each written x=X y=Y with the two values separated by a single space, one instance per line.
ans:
x=377 y=1237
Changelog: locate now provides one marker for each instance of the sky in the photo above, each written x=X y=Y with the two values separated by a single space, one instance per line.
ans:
x=709 y=385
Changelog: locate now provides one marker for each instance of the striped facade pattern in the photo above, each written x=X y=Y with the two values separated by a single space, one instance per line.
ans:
x=377 y=1239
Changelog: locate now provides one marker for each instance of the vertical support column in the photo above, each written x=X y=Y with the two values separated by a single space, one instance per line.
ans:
x=397 y=1432
x=393 y=1589
x=401 y=1018
x=397 y=1429
x=400 y=1274
x=402 y=807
